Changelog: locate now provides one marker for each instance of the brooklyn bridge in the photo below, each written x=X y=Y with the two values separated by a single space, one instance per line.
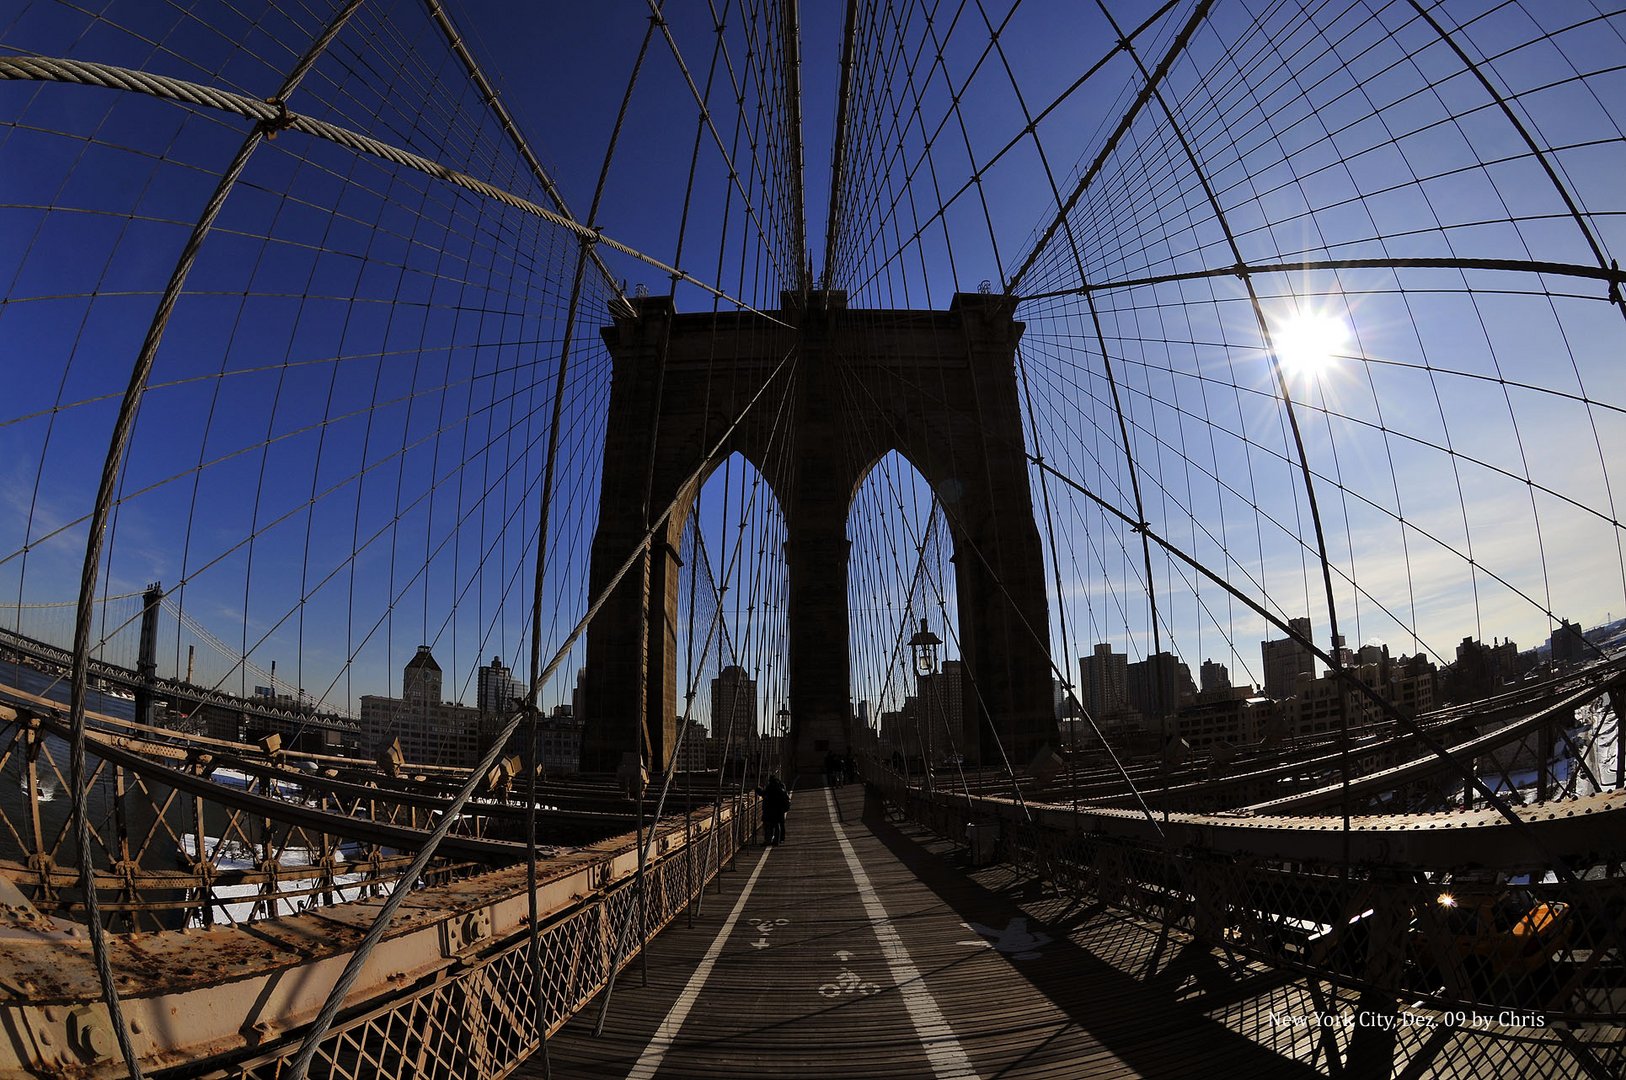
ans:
x=1136 y=475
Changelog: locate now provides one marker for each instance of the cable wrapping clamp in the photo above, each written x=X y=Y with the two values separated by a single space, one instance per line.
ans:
x=283 y=120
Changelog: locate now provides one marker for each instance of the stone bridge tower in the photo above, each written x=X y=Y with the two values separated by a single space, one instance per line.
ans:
x=938 y=387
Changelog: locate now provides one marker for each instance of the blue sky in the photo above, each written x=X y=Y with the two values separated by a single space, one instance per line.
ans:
x=359 y=376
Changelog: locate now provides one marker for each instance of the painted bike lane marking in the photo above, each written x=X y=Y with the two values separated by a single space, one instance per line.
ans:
x=948 y=1058
x=665 y=1035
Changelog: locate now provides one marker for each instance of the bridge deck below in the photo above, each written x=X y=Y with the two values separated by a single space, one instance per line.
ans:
x=864 y=948
x=855 y=950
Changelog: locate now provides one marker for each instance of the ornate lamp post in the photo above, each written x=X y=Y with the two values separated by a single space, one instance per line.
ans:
x=925 y=644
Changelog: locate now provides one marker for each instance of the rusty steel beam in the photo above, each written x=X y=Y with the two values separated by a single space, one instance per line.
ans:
x=1381 y=747
x=114 y=749
x=193 y=996
x=355 y=805
x=1455 y=914
x=1589 y=826
x=1467 y=750
x=177 y=690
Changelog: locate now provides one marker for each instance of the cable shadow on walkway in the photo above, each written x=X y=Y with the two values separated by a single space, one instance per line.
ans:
x=1157 y=1025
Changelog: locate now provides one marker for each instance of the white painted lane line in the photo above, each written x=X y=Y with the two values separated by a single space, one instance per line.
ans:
x=937 y=1038
x=667 y=1033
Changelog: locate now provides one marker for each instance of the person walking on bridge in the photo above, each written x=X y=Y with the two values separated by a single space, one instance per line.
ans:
x=775 y=805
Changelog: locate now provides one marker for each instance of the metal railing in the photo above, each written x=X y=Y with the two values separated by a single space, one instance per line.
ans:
x=223 y=868
x=1456 y=914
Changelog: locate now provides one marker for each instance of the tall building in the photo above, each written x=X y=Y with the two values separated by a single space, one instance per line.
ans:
x=497 y=693
x=900 y=731
x=734 y=713
x=1566 y=645
x=1103 y=681
x=1284 y=660
x=943 y=706
x=420 y=680
x=1318 y=710
x=1224 y=717
x=1480 y=670
x=1158 y=685
x=559 y=739
x=1509 y=663
x=1373 y=654
x=1412 y=684
x=496 y=688
x=578 y=697
x=1215 y=677
x=691 y=756
x=430 y=731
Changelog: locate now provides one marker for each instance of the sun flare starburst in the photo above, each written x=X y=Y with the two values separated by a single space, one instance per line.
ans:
x=1309 y=342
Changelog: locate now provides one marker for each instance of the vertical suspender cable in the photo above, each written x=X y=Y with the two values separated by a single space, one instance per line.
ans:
x=112 y=465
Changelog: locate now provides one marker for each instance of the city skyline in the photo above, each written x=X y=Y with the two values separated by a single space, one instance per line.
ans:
x=374 y=355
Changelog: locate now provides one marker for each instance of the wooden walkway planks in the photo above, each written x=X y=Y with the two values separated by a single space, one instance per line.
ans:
x=762 y=1008
x=1025 y=983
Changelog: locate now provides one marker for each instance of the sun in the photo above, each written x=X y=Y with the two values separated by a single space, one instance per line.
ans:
x=1309 y=342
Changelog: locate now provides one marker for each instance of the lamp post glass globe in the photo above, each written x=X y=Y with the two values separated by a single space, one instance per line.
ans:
x=925 y=644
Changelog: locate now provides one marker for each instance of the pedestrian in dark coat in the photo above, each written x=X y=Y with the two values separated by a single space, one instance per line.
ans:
x=775 y=805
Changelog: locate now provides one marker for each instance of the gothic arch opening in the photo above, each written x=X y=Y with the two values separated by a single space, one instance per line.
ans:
x=912 y=696
x=729 y=662
x=845 y=403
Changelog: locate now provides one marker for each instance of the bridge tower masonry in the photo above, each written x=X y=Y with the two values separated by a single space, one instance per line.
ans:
x=939 y=387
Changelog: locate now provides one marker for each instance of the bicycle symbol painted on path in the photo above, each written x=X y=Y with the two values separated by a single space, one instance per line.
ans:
x=848 y=982
x=764 y=928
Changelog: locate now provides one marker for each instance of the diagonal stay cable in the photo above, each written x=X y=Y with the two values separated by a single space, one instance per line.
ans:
x=1150 y=84
x=648 y=843
x=112 y=467
x=488 y=93
x=1045 y=647
x=1133 y=463
x=705 y=113
x=1415 y=729
x=1544 y=159
x=572 y=309
x=276 y=116
x=299 y=1066
x=909 y=597
x=1154 y=84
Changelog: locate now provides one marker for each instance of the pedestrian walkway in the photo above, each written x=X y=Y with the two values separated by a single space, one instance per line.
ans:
x=862 y=948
